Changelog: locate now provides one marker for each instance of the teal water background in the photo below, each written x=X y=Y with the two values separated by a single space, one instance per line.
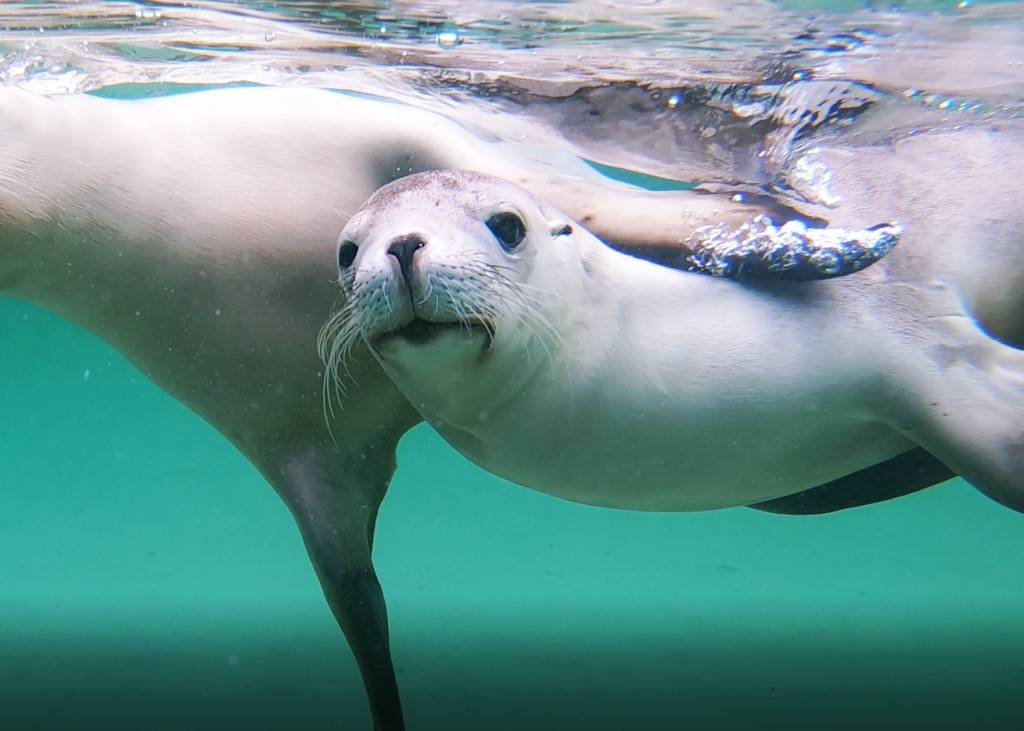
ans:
x=150 y=579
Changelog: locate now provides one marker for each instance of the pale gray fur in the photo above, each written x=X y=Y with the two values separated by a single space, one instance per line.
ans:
x=194 y=233
x=674 y=391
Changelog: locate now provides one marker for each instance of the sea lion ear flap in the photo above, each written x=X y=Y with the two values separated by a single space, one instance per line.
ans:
x=558 y=225
x=560 y=228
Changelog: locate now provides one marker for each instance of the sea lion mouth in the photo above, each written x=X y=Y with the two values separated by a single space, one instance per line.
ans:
x=422 y=332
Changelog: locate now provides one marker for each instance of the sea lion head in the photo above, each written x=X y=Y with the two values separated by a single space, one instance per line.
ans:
x=453 y=276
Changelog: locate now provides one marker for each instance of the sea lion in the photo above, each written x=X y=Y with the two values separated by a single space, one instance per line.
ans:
x=554 y=361
x=195 y=234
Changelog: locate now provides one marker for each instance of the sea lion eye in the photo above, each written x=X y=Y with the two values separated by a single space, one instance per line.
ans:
x=347 y=254
x=508 y=229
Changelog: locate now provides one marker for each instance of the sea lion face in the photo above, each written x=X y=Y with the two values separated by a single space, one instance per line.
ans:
x=446 y=272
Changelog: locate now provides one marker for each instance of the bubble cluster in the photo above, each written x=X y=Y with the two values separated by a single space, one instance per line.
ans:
x=945 y=103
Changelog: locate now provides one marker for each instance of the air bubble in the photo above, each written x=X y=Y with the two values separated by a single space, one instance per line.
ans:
x=269 y=36
x=449 y=39
x=813 y=179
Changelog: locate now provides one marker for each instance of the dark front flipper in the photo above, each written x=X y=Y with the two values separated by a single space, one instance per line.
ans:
x=760 y=250
x=334 y=496
x=906 y=473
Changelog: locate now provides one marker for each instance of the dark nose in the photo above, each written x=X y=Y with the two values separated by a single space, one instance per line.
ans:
x=404 y=248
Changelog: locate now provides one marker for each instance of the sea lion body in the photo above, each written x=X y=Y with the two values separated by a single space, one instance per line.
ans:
x=695 y=395
x=607 y=380
x=195 y=234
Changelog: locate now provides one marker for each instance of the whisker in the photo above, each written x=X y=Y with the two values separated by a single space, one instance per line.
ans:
x=526 y=297
x=334 y=343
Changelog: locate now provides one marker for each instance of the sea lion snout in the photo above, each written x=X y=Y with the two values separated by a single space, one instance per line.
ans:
x=403 y=248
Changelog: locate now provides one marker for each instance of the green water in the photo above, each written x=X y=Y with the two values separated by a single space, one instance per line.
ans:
x=149 y=579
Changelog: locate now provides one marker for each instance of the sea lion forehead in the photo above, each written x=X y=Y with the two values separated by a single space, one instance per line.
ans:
x=454 y=187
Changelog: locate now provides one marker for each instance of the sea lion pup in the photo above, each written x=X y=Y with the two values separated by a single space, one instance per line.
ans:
x=195 y=233
x=556 y=362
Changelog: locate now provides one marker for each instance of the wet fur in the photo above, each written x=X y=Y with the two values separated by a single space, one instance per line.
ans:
x=918 y=335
